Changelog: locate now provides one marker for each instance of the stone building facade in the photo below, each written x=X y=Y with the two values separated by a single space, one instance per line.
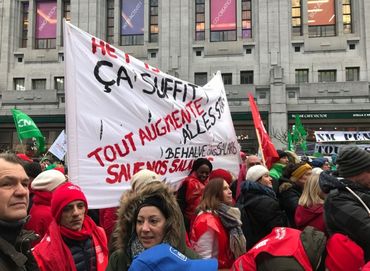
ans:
x=301 y=57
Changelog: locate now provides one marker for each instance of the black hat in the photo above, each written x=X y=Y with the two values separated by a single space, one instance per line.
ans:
x=352 y=161
x=199 y=162
x=282 y=153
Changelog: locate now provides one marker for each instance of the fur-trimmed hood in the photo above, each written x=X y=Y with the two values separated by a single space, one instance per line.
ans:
x=128 y=209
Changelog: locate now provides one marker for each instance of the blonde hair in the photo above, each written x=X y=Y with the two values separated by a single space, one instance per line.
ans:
x=311 y=191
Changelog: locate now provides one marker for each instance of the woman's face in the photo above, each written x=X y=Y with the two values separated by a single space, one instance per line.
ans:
x=266 y=180
x=203 y=172
x=301 y=181
x=227 y=194
x=150 y=225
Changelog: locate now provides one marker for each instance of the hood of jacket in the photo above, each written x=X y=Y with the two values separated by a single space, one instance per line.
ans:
x=257 y=188
x=329 y=182
x=304 y=215
x=130 y=202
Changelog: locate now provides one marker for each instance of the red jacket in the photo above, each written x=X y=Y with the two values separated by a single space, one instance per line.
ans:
x=194 y=193
x=40 y=213
x=280 y=242
x=208 y=220
x=313 y=216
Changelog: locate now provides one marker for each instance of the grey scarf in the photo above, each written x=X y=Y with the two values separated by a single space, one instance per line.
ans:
x=230 y=218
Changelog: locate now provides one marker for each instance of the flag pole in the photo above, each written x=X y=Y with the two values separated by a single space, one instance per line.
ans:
x=260 y=147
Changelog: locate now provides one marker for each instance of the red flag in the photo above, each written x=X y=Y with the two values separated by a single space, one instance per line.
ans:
x=269 y=153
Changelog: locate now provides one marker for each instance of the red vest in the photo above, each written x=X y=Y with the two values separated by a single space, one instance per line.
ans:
x=280 y=242
x=194 y=193
x=208 y=220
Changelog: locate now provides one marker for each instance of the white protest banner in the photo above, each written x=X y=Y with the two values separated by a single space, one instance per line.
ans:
x=124 y=115
x=328 y=149
x=341 y=136
x=59 y=147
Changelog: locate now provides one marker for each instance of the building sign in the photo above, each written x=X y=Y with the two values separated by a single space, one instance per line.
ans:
x=132 y=17
x=321 y=12
x=46 y=20
x=331 y=115
x=223 y=15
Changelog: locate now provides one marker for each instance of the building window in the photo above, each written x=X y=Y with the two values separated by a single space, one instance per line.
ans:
x=46 y=25
x=227 y=78
x=59 y=83
x=153 y=21
x=296 y=18
x=199 y=20
x=67 y=10
x=132 y=22
x=66 y=15
x=353 y=74
x=327 y=76
x=246 y=77
x=38 y=83
x=19 y=84
x=110 y=21
x=291 y=94
x=347 y=16
x=24 y=24
x=321 y=18
x=301 y=76
x=247 y=19
x=200 y=78
x=223 y=20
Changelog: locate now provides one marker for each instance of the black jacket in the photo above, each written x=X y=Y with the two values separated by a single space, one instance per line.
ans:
x=18 y=256
x=260 y=211
x=347 y=210
x=288 y=197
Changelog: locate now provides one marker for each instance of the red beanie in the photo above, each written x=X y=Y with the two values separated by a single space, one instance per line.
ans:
x=343 y=254
x=221 y=173
x=24 y=157
x=63 y=195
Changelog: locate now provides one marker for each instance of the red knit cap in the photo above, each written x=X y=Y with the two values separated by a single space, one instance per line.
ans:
x=221 y=173
x=343 y=254
x=24 y=157
x=63 y=195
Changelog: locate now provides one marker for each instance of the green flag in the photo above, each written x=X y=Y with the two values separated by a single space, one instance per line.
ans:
x=26 y=128
x=299 y=134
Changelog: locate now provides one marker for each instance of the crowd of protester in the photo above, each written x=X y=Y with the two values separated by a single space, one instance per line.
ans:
x=301 y=214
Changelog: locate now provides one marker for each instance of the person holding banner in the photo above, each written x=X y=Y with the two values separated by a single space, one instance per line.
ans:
x=216 y=231
x=190 y=192
x=146 y=217
x=73 y=241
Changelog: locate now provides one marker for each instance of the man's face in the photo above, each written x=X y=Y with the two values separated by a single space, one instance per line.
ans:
x=14 y=195
x=73 y=215
x=253 y=160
